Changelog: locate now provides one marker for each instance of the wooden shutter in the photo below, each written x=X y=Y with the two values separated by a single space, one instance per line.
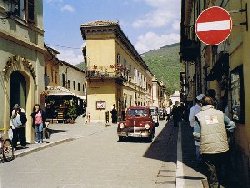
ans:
x=31 y=11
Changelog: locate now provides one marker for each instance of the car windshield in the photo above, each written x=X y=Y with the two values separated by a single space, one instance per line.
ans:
x=137 y=112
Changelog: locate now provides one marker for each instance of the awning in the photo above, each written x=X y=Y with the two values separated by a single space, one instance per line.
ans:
x=58 y=91
x=82 y=97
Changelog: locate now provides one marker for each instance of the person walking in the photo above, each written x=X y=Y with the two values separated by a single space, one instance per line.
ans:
x=176 y=113
x=193 y=111
x=39 y=118
x=213 y=141
x=212 y=93
x=168 y=112
x=18 y=122
x=114 y=115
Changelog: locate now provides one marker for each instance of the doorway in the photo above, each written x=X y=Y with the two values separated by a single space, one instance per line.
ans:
x=17 y=90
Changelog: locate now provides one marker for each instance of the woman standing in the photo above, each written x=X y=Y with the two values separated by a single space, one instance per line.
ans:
x=39 y=119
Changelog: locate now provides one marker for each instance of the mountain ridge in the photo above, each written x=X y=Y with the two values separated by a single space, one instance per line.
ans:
x=165 y=64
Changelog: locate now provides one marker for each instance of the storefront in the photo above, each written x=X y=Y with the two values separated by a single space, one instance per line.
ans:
x=63 y=106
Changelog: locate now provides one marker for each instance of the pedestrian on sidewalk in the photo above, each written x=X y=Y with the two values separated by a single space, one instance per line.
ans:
x=18 y=122
x=176 y=113
x=39 y=119
x=213 y=141
x=114 y=114
x=212 y=93
x=193 y=111
x=168 y=112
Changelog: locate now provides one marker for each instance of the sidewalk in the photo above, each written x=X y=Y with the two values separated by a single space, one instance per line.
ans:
x=61 y=133
x=188 y=172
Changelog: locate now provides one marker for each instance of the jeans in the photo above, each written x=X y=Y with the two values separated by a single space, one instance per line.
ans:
x=197 y=153
x=217 y=175
x=19 y=134
x=39 y=132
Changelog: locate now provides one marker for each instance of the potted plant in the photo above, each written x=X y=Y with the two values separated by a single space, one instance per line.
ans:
x=72 y=113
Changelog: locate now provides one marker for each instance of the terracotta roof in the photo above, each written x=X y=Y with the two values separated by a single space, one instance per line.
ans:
x=101 y=23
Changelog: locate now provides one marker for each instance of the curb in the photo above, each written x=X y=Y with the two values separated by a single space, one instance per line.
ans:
x=179 y=165
x=43 y=147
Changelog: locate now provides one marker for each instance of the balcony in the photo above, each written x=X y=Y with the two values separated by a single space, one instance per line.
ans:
x=118 y=73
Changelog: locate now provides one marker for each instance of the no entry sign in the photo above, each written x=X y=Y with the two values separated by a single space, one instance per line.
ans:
x=213 y=25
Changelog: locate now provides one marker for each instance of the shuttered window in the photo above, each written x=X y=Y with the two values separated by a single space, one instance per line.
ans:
x=31 y=10
x=23 y=9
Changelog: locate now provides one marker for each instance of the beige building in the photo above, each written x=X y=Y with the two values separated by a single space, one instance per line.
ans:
x=61 y=73
x=116 y=74
x=159 y=93
x=22 y=58
x=73 y=79
x=223 y=68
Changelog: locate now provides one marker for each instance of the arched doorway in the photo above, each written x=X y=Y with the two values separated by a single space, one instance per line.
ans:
x=17 y=90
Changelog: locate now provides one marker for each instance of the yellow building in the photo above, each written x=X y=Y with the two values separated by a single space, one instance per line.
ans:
x=116 y=74
x=223 y=68
x=22 y=58
x=52 y=64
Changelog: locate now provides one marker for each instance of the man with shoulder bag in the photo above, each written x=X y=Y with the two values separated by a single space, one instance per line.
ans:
x=18 y=122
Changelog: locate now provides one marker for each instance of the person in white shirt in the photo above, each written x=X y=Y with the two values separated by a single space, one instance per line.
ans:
x=193 y=111
x=168 y=112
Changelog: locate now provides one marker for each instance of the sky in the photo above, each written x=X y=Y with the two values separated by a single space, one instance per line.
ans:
x=149 y=24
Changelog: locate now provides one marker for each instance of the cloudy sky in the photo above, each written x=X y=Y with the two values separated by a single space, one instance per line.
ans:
x=149 y=24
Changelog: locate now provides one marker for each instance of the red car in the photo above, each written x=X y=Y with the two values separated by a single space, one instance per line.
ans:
x=138 y=123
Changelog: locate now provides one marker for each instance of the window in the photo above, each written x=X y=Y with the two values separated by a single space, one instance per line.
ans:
x=79 y=86
x=74 y=85
x=135 y=76
x=83 y=88
x=31 y=10
x=55 y=77
x=238 y=95
x=63 y=80
x=68 y=84
x=24 y=9
x=118 y=60
x=52 y=74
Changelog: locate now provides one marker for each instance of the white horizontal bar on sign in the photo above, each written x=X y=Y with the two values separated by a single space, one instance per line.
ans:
x=216 y=25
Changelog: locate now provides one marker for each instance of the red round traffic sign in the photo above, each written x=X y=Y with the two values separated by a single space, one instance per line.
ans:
x=213 y=26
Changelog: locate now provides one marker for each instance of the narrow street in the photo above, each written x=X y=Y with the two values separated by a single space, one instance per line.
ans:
x=97 y=159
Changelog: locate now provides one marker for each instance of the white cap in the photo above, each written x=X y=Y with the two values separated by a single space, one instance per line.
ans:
x=199 y=97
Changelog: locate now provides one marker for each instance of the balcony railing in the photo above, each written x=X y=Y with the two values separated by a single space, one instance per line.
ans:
x=107 y=72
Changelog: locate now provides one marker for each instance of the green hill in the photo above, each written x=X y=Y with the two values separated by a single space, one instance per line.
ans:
x=81 y=66
x=165 y=64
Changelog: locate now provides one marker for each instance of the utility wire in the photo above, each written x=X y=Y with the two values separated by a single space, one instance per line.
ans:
x=61 y=46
